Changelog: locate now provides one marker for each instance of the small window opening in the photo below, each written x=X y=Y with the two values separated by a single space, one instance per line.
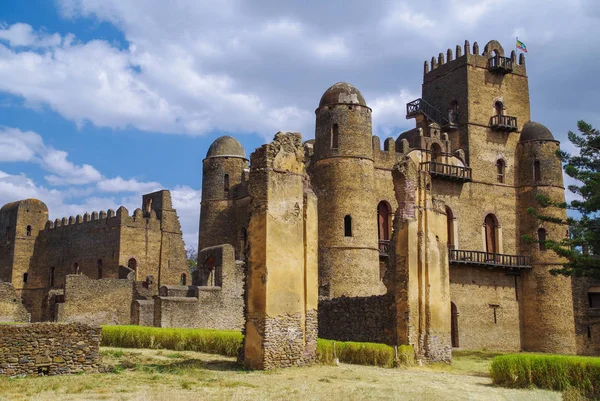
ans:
x=183 y=279
x=25 y=277
x=348 y=226
x=453 y=112
x=450 y=228
x=132 y=264
x=537 y=176
x=335 y=137
x=226 y=183
x=589 y=332
x=494 y=308
x=99 y=268
x=29 y=231
x=499 y=106
x=500 y=170
x=52 y=269
x=75 y=268
x=594 y=297
x=542 y=239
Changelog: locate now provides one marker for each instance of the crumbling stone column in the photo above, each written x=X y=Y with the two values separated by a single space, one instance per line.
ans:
x=282 y=280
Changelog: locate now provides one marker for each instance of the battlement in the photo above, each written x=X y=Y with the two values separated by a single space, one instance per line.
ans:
x=492 y=57
x=120 y=217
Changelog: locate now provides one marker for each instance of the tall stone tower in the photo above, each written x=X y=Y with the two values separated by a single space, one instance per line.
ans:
x=547 y=303
x=223 y=178
x=342 y=173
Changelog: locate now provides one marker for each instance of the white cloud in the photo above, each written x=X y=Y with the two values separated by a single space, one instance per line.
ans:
x=20 y=34
x=389 y=112
x=118 y=184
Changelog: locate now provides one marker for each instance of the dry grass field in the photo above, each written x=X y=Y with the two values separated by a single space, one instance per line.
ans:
x=150 y=375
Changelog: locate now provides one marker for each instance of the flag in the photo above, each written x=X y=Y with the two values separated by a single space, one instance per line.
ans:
x=521 y=46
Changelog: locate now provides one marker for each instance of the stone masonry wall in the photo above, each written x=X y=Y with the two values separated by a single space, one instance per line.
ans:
x=49 y=349
x=11 y=308
x=357 y=319
x=104 y=301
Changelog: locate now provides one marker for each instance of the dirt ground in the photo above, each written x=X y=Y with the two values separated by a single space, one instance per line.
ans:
x=151 y=375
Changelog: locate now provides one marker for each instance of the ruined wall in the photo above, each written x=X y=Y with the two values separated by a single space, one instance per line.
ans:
x=587 y=315
x=488 y=308
x=142 y=312
x=11 y=308
x=369 y=319
x=104 y=301
x=49 y=349
x=176 y=312
x=281 y=285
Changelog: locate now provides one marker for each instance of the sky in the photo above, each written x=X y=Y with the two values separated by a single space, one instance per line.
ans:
x=104 y=100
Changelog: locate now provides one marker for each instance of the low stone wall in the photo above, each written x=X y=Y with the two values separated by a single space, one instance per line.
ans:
x=104 y=301
x=11 y=308
x=49 y=349
x=176 y=312
x=142 y=312
x=178 y=291
x=369 y=319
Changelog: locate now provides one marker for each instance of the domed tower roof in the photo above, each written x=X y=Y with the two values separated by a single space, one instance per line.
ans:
x=342 y=93
x=533 y=131
x=226 y=146
x=13 y=206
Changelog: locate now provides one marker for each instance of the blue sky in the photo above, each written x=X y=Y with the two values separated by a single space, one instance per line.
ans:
x=103 y=100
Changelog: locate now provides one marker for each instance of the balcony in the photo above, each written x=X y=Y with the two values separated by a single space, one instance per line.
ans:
x=489 y=260
x=504 y=123
x=500 y=64
x=420 y=106
x=384 y=248
x=447 y=171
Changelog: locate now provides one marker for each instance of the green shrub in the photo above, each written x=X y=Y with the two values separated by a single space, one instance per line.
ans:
x=552 y=372
x=228 y=342
x=223 y=342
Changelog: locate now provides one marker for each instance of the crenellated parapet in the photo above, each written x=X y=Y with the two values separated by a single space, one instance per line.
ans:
x=493 y=58
x=390 y=155
x=108 y=217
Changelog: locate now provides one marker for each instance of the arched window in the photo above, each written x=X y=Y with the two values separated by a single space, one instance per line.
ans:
x=537 y=176
x=491 y=233
x=542 y=239
x=594 y=297
x=500 y=168
x=335 y=136
x=453 y=112
x=348 y=226
x=52 y=269
x=183 y=279
x=75 y=268
x=436 y=153
x=226 y=183
x=29 y=231
x=25 y=277
x=454 y=325
x=383 y=221
x=132 y=264
x=450 y=227
x=99 y=268
x=499 y=106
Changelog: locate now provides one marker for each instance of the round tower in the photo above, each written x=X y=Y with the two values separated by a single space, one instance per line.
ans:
x=342 y=173
x=223 y=181
x=548 y=323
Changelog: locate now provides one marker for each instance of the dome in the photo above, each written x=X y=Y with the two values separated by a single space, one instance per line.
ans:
x=533 y=131
x=226 y=146
x=343 y=93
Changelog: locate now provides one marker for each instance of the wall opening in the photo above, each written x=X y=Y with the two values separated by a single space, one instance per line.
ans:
x=541 y=239
x=436 y=153
x=243 y=242
x=589 y=332
x=491 y=234
x=183 y=279
x=52 y=273
x=25 y=277
x=335 y=136
x=132 y=264
x=500 y=168
x=29 y=231
x=594 y=297
x=450 y=228
x=348 y=226
x=226 y=183
x=383 y=221
x=499 y=107
x=453 y=112
x=75 y=268
x=537 y=174
x=454 y=325
x=99 y=268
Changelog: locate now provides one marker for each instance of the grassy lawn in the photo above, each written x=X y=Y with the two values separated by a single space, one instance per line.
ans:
x=150 y=375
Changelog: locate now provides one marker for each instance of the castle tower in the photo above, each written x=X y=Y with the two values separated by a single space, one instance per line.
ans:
x=546 y=302
x=223 y=180
x=342 y=173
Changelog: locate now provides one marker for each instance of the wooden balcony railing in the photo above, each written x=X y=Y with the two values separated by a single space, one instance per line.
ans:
x=384 y=248
x=447 y=171
x=500 y=64
x=420 y=106
x=486 y=259
x=503 y=123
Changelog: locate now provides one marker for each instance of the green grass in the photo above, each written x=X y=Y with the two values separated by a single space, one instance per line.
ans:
x=228 y=342
x=552 y=372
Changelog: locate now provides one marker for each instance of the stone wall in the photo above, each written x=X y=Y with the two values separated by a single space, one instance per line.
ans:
x=367 y=319
x=11 y=308
x=142 y=312
x=104 y=301
x=176 y=312
x=587 y=317
x=49 y=349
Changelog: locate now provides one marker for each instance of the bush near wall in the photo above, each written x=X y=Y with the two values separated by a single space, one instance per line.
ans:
x=552 y=372
x=228 y=342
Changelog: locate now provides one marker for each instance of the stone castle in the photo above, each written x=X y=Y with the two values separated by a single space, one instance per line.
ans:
x=421 y=242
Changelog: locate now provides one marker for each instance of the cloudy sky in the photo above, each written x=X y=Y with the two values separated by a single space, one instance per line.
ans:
x=103 y=100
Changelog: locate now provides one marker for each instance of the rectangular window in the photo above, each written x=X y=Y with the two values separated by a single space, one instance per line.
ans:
x=594 y=299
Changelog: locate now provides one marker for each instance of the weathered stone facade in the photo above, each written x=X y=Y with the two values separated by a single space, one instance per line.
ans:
x=38 y=254
x=11 y=308
x=49 y=349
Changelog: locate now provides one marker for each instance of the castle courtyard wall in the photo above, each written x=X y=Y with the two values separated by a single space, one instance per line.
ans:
x=11 y=307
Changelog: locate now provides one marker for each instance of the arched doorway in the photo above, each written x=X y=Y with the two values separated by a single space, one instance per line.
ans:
x=383 y=221
x=436 y=153
x=454 y=325
x=491 y=234
x=132 y=264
